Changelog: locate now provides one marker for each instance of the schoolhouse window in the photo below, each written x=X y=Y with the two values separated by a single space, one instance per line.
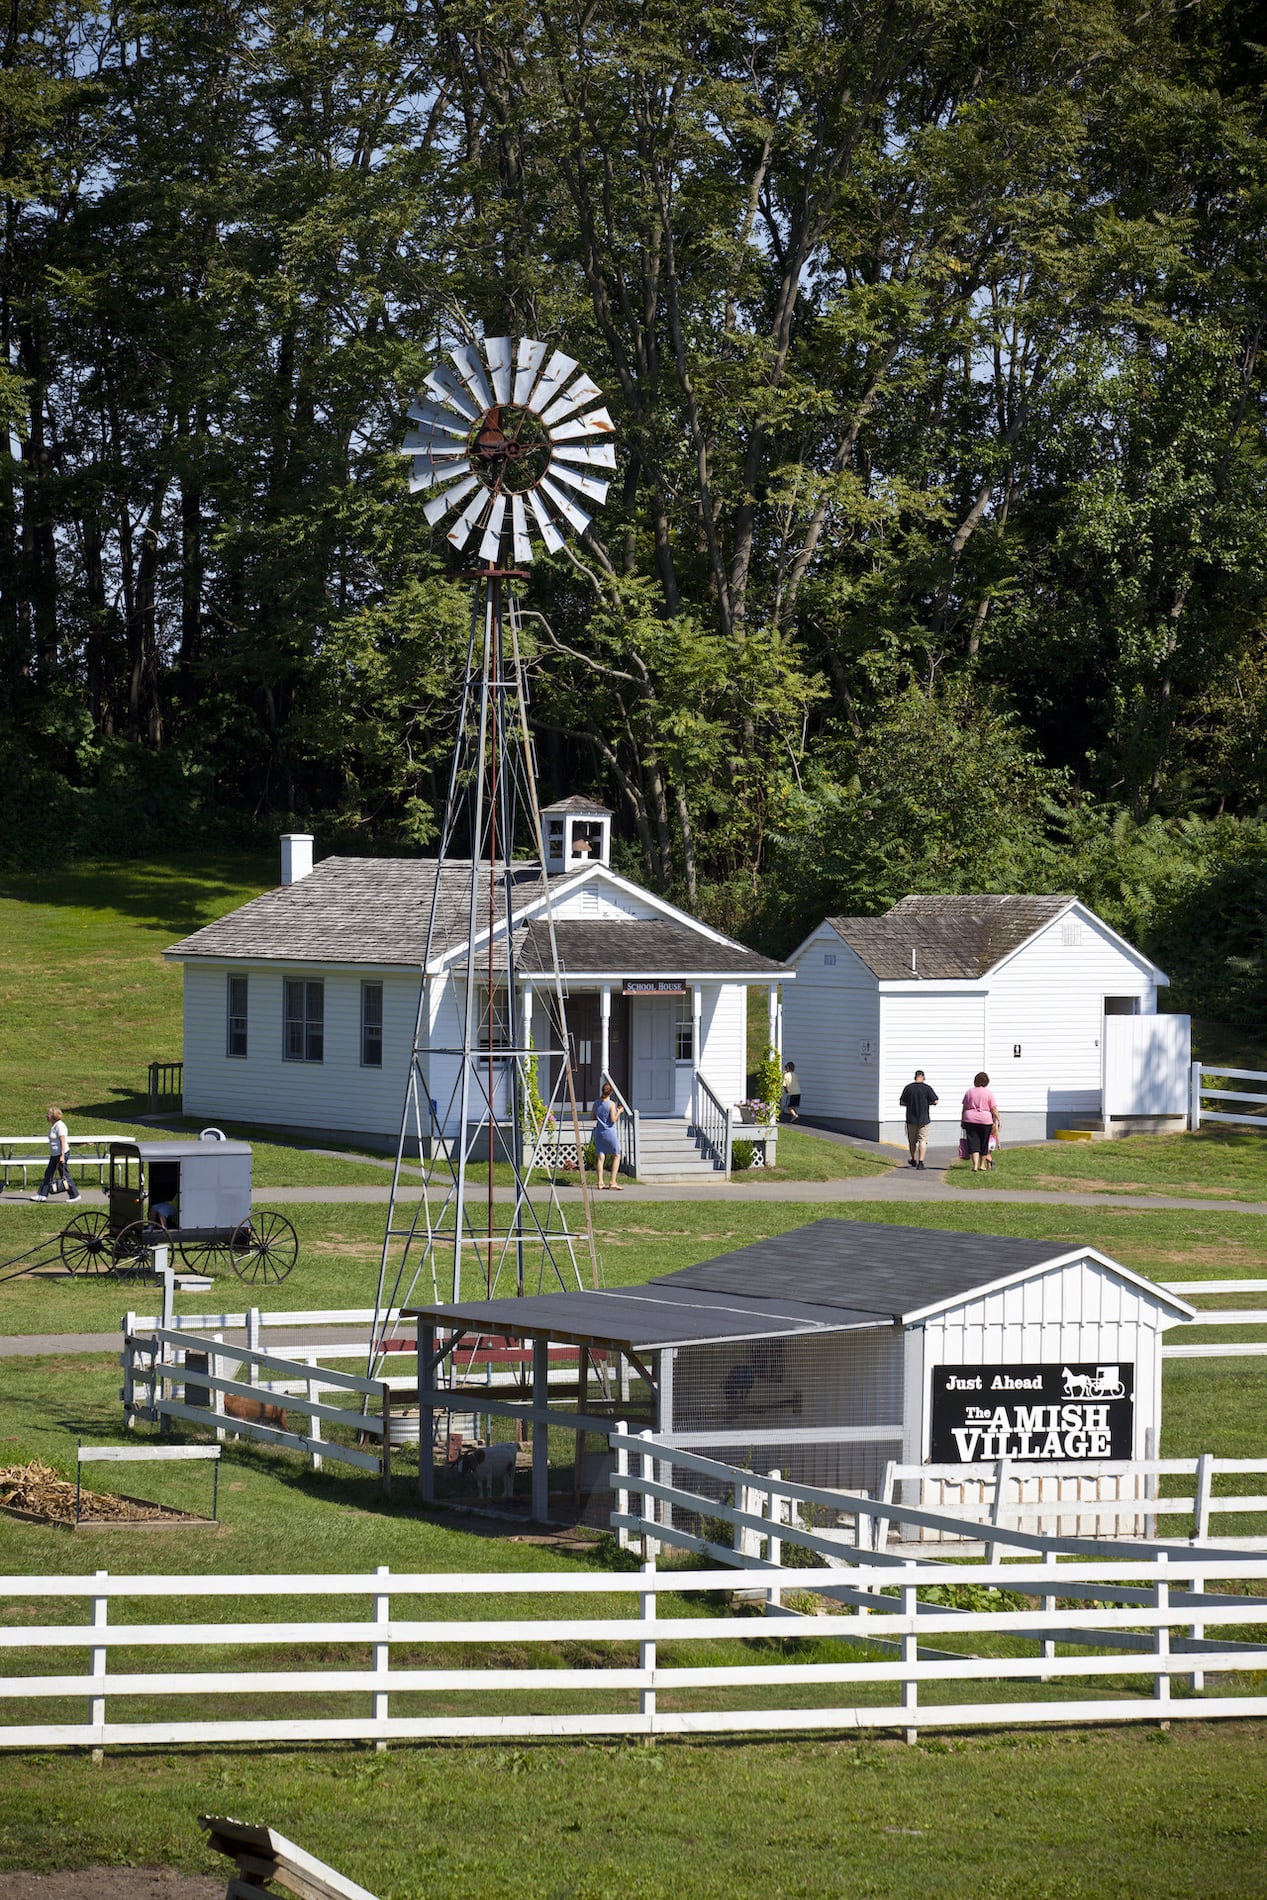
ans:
x=371 y=1025
x=684 y=1031
x=235 y=1026
x=500 y=1038
x=304 y=1022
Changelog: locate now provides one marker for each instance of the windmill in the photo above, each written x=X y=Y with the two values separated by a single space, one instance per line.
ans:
x=509 y=436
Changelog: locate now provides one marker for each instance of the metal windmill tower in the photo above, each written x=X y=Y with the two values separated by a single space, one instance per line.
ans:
x=507 y=434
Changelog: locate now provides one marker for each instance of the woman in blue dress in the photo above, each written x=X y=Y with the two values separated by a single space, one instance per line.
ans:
x=606 y=1138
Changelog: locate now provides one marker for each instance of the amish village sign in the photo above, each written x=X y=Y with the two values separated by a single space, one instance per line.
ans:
x=1065 y=1412
x=653 y=986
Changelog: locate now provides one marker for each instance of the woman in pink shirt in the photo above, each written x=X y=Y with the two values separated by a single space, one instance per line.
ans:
x=980 y=1116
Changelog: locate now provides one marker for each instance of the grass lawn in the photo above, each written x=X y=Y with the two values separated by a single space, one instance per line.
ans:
x=1071 y=1816
x=1224 y=1163
x=339 y=1250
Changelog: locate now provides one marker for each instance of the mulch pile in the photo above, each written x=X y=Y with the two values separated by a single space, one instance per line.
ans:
x=38 y=1489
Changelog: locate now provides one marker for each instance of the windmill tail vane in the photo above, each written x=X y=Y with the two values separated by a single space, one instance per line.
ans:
x=507 y=434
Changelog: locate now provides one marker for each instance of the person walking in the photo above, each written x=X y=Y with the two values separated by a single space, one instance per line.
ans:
x=792 y=1092
x=980 y=1119
x=918 y=1100
x=607 y=1113
x=57 y=1173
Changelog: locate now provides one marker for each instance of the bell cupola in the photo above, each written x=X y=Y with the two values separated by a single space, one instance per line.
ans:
x=578 y=831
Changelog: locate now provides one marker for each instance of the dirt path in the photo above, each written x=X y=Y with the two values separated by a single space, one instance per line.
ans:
x=112 y=1883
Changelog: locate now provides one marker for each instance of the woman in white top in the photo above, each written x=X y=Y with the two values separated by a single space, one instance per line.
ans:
x=58 y=1159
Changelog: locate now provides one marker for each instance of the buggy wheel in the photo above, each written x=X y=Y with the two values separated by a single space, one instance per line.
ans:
x=264 y=1248
x=204 y=1256
x=133 y=1253
x=85 y=1243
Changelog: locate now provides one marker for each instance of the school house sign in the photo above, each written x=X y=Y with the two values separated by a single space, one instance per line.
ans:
x=1061 y=1412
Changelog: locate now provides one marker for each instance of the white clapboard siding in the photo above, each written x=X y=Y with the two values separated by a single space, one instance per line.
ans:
x=1049 y=1000
x=338 y=1092
x=723 y=1055
x=1080 y=1312
x=831 y=1030
x=940 y=1031
x=594 y=901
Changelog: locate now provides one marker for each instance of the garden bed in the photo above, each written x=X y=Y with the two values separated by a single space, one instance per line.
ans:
x=36 y=1494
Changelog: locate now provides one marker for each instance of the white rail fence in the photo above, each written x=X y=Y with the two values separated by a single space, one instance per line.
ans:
x=1221 y=1349
x=1124 y=1498
x=157 y=1366
x=88 y=1154
x=1161 y=1611
x=1200 y=1092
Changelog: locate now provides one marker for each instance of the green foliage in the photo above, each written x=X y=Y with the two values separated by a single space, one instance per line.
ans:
x=767 y=1081
x=741 y=1155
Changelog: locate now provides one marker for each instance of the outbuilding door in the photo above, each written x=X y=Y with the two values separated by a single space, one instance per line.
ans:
x=1146 y=1065
x=654 y=1071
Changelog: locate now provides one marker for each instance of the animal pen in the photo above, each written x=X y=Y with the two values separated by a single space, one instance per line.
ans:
x=839 y=1353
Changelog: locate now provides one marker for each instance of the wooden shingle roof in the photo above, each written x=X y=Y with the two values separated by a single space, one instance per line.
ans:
x=354 y=910
x=950 y=936
x=650 y=947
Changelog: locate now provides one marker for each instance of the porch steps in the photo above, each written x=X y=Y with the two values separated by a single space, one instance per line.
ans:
x=667 y=1151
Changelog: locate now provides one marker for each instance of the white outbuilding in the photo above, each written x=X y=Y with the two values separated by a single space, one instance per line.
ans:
x=843 y=1349
x=1058 y=1010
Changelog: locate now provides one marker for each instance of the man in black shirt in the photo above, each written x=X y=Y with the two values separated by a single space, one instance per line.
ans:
x=917 y=1099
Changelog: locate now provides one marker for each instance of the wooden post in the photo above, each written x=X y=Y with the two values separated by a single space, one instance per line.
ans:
x=910 y=1650
x=100 y=1617
x=217 y=1396
x=647 y=1651
x=253 y=1344
x=1201 y=1503
x=382 y=1656
x=647 y=1470
x=1049 y=1603
x=387 y=1440
x=1194 y=1097
x=1161 y=1682
x=582 y=1407
x=426 y=1414
x=540 y=1429
x=128 y=1360
x=774 y=1509
x=624 y=1537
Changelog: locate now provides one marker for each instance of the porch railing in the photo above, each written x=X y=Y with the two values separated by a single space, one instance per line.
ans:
x=626 y=1128
x=713 y=1129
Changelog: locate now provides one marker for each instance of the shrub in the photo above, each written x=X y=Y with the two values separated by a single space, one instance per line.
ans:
x=741 y=1155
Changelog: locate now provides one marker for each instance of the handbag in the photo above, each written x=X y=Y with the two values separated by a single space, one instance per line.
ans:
x=963 y=1147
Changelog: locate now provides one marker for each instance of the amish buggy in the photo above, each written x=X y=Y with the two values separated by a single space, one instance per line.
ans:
x=193 y=1196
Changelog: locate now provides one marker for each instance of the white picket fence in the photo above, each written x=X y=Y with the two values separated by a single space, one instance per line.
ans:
x=1200 y=1092
x=1155 y=1613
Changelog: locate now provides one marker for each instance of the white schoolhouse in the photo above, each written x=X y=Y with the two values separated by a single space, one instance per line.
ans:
x=300 y=1006
x=1059 y=1011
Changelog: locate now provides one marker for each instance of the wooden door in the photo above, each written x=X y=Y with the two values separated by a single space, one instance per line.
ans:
x=654 y=1069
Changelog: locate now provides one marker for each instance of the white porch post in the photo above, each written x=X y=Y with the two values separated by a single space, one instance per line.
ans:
x=772 y=1032
x=605 y=1019
x=697 y=1017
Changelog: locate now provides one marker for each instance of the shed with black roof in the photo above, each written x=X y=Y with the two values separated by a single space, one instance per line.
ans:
x=836 y=1350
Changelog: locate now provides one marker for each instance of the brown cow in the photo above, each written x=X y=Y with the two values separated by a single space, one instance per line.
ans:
x=255 y=1411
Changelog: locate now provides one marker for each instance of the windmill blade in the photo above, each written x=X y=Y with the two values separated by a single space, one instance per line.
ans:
x=519 y=529
x=434 y=421
x=549 y=533
x=471 y=370
x=427 y=474
x=589 y=455
x=445 y=387
x=490 y=546
x=460 y=532
x=440 y=505
x=557 y=371
x=567 y=508
x=424 y=440
x=584 y=484
x=497 y=350
x=583 y=390
x=597 y=422
x=528 y=360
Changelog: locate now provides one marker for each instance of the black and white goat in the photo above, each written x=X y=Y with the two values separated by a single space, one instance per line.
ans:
x=488 y=1463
